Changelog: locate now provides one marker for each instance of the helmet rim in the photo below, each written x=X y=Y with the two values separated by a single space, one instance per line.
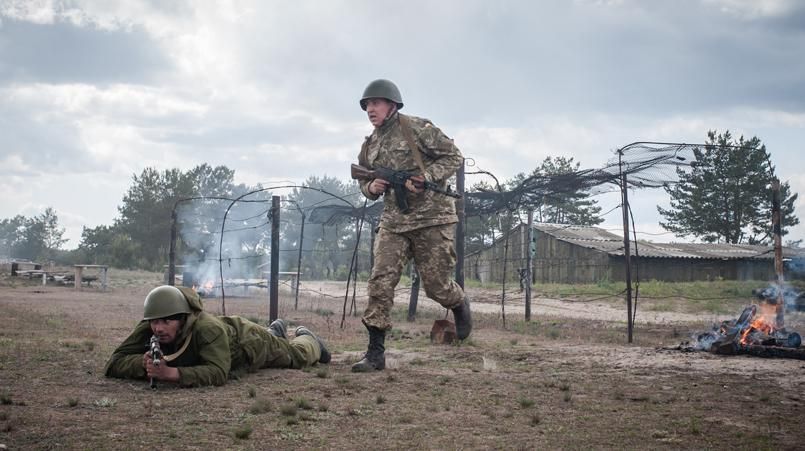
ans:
x=164 y=301
x=382 y=89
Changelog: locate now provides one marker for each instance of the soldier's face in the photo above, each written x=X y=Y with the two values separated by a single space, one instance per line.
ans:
x=166 y=329
x=378 y=110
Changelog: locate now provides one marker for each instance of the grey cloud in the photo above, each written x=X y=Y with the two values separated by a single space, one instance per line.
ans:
x=42 y=146
x=281 y=131
x=64 y=53
x=657 y=59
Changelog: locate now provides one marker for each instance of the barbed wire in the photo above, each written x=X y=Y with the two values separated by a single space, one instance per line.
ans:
x=636 y=166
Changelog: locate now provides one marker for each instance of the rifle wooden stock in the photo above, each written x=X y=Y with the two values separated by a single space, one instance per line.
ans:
x=358 y=172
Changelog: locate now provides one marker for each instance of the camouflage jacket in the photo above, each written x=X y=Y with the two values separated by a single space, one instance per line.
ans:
x=387 y=147
x=218 y=347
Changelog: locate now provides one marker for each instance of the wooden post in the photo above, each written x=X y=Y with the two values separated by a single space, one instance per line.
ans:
x=273 y=297
x=505 y=265
x=79 y=270
x=172 y=249
x=299 y=263
x=460 y=227
x=353 y=307
x=778 y=253
x=104 y=279
x=529 y=262
x=627 y=256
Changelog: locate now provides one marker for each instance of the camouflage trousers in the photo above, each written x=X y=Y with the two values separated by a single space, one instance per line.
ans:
x=433 y=251
x=263 y=350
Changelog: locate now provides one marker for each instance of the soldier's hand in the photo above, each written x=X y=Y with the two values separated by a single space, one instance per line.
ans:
x=415 y=184
x=146 y=359
x=378 y=186
x=161 y=372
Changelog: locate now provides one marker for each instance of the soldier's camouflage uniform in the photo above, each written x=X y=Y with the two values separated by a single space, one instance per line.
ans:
x=427 y=232
x=219 y=346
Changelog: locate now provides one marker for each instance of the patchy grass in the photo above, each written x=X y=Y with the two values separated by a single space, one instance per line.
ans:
x=243 y=432
x=289 y=410
x=260 y=406
x=303 y=403
x=723 y=296
x=560 y=381
x=105 y=402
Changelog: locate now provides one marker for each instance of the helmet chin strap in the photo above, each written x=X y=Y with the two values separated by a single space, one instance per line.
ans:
x=391 y=112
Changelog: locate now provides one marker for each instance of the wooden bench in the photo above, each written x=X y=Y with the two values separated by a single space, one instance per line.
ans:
x=16 y=271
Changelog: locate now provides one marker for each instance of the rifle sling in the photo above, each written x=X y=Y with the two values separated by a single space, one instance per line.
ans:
x=409 y=136
x=175 y=355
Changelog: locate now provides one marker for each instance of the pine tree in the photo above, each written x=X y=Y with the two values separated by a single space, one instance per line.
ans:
x=726 y=197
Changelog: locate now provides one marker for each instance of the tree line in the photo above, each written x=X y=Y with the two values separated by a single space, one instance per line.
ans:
x=724 y=198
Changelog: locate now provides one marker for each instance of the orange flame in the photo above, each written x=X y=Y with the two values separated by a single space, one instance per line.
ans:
x=763 y=322
x=205 y=287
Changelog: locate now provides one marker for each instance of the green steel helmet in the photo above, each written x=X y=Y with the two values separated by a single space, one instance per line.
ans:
x=384 y=89
x=164 y=301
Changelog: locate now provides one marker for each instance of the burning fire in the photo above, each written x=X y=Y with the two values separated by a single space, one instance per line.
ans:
x=758 y=326
x=205 y=289
x=759 y=330
x=764 y=322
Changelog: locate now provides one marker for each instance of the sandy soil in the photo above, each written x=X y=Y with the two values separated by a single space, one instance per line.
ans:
x=566 y=380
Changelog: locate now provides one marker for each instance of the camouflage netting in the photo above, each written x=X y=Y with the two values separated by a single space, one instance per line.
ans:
x=645 y=164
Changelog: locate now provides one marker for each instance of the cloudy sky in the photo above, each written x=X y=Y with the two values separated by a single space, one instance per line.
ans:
x=92 y=92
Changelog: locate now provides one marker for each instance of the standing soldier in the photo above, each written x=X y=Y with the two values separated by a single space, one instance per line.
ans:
x=426 y=232
x=203 y=349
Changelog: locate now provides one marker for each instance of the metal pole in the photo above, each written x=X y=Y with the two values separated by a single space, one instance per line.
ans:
x=778 y=252
x=460 y=227
x=626 y=251
x=273 y=301
x=299 y=263
x=529 y=261
x=414 y=293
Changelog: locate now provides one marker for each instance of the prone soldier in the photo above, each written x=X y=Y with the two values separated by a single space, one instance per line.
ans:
x=203 y=349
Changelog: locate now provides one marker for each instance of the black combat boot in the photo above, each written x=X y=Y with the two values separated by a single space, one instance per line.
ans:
x=375 y=358
x=325 y=354
x=463 y=319
x=278 y=328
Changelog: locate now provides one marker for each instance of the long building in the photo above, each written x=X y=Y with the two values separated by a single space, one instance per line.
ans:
x=583 y=254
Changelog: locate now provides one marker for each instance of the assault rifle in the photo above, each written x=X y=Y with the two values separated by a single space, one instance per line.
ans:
x=397 y=181
x=156 y=355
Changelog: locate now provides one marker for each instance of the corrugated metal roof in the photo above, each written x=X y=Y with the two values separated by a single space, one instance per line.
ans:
x=604 y=241
x=700 y=251
x=571 y=232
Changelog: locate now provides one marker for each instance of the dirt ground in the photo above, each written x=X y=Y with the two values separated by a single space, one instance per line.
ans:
x=566 y=380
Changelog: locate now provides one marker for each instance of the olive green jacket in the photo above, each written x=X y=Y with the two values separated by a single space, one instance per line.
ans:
x=387 y=147
x=218 y=346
